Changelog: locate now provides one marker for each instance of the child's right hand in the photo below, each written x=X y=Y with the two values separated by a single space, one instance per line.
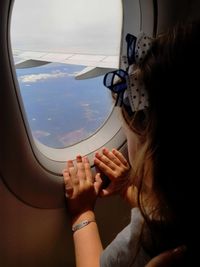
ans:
x=81 y=188
x=114 y=165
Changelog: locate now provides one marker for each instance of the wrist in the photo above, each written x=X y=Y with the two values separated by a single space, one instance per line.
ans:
x=86 y=215
x=81 y=225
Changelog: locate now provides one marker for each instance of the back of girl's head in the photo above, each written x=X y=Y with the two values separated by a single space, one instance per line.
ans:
x=172 y=81
x=170 y=73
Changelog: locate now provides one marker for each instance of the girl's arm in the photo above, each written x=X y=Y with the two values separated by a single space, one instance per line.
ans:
x=87 y=243
x=81 y=192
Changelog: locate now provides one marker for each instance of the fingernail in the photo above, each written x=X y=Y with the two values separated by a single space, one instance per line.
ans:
x=86 y=160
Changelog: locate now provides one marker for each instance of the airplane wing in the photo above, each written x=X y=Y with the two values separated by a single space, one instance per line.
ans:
x=96 y=65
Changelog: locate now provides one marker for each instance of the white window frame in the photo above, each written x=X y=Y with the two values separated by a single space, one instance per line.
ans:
x=110 y=134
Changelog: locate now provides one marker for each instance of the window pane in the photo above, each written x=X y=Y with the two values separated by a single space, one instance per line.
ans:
x=60 y=109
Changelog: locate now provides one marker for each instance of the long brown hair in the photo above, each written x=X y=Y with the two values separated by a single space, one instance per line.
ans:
x=169 y=132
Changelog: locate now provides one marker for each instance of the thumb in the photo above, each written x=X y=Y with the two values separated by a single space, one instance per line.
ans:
x=106 y=192
x=98 y=183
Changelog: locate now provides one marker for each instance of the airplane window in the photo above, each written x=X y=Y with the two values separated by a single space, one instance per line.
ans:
x=56 y=45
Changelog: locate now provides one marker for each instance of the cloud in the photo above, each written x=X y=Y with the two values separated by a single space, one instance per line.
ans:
x=32 y=78
x=39 y=134
x=90 y=114
x=70 y=26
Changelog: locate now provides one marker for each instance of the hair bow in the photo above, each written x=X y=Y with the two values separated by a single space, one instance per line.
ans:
x=124 y=83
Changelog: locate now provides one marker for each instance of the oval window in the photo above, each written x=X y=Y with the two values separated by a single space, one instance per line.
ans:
x=61 y=49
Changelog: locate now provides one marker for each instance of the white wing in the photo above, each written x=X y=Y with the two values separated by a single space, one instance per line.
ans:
x=95 y=64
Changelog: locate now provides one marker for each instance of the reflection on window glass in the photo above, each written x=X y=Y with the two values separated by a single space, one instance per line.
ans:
x=61 y=110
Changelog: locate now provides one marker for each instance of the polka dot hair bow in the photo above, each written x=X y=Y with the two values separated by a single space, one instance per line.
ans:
x=136 y=95
x=143 y=45
x=124 y=83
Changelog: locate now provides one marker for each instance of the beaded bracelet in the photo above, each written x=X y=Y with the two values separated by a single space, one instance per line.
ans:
x=81 y=225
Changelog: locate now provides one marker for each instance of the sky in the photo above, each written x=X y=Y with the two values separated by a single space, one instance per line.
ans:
x=80 y=26
x=69 y=26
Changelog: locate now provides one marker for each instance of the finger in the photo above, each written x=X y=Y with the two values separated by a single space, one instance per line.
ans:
x=104 y=168
x=120 y=157
x=98 y=177
x=70 y=164
x=78 y=159
x=106 y=192
x=88 y=172
x=68 y=184
x=71 y=168
x=64 y=172
x=98 y=183
x=110 y=155
x=80 y=168
x=72 y=172
x=111 y=189
x=66 y=176
x=105 y=160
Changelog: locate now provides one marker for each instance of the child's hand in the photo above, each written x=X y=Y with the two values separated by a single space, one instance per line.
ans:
x=116 y=168
x=80 y=188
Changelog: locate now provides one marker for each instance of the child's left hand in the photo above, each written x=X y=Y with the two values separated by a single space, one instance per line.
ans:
x=81 y=189
x=114 y=165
